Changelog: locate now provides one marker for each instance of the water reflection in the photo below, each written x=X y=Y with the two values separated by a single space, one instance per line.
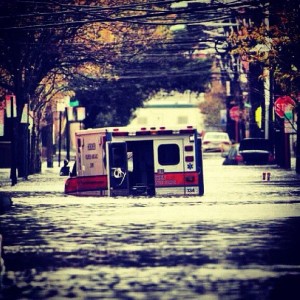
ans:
x=226 y=245
x=86 y=251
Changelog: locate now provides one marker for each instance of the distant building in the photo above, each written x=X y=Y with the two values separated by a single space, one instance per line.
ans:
x=171 y=109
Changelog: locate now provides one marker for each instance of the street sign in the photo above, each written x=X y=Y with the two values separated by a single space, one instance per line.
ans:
x=234 y=113
x=283 y=106
x=258 y=119
x=74 y=102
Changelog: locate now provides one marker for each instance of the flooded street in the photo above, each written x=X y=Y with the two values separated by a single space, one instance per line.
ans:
x=238 y=241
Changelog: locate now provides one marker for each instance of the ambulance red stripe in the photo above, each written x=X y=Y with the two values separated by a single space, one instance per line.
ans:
x=176 y=179
x=86 y=183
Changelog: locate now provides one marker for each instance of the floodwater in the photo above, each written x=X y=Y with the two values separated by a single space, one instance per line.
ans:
x=241 y=240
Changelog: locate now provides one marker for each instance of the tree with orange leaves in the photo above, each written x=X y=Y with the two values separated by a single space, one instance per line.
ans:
x=274 y=44
x=40 y=38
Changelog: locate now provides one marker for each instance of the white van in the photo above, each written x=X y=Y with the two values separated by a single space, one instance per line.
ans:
x=123 y=161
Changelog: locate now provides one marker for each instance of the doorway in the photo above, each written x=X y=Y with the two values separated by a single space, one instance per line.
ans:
x=141 y=167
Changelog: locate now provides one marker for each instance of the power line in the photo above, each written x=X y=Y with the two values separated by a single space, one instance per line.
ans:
x=88 y=14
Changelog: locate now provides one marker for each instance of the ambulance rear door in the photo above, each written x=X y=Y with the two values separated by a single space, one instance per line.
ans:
x=169 y=166
x=118 y=184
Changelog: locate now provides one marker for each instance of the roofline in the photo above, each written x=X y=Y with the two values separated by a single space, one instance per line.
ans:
x=170 y=105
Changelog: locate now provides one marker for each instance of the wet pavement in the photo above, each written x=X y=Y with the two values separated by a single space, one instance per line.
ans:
x=240 y=240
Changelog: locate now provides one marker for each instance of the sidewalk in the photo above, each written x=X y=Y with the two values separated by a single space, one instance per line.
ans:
x=52 y=172
x=5 y=181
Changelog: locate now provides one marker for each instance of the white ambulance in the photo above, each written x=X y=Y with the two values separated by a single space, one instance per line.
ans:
x=124 y=161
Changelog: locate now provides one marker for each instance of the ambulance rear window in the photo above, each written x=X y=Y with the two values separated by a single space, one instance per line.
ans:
x=168 y=154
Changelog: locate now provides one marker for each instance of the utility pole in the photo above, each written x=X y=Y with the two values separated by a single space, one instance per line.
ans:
x=267 y=101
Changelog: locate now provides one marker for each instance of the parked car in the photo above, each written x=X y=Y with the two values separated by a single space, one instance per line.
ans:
x=233 y=156
x=256 y=151
x=216 y=141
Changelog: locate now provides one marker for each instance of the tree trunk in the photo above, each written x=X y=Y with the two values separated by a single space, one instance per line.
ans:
x=298 y=139
x=49 y=137
x=49 y=130
x=35 y=153
x=14 y=152
x=23 y=163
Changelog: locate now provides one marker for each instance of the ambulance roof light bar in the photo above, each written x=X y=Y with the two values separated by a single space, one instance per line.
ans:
x=162 y=130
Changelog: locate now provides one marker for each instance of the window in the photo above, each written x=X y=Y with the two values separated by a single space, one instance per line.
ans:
x=168 y=154
x=118 y=156
x=130 y=161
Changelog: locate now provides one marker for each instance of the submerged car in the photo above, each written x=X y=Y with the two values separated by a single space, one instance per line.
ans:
x=233 y=156
x=216 y=141
x=256 y=151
